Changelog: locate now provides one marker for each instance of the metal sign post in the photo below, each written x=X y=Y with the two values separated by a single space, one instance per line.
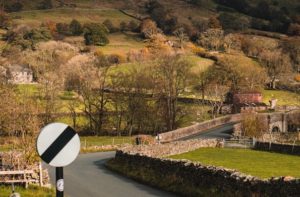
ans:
x=58 y=145
x=59 y=181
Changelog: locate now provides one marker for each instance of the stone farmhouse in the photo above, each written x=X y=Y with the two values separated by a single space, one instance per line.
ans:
x=19 y=74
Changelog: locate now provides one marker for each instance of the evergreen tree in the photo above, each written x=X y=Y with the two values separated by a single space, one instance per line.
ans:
x=95 y=34
x=75 y=27
x=46 y=4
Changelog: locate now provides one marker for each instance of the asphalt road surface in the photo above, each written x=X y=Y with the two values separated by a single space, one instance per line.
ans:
x=88 y=177
x=222 y=132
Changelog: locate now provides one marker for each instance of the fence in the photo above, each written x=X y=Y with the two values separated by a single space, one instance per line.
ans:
x=239 y=143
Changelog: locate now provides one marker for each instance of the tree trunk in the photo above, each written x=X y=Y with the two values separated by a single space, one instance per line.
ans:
x=273 y=83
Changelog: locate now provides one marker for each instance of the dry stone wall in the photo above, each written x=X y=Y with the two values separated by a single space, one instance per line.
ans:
x=174 y=148
x=194 y=179
x=198 y=128
x=278 y=148
x=150 y=165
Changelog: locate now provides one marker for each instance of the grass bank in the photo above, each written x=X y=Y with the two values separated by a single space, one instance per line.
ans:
x=30 y=192
x=92 y=144
x=256 y=163
x=284 y=97
x=88 y=143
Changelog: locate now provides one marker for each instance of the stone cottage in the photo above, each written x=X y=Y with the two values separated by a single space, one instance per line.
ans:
x=19 y=74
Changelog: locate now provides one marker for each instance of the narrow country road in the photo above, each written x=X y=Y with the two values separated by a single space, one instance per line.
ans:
x=221 y=132
x=88 y=177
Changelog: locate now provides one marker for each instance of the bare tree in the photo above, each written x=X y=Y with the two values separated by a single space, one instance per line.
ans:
x=172 y=74
x=49 y=89
x=216 y=94
x=212 y=39
x=253 y=125
x=181 y=36
x=93 y=96
x=276 y=63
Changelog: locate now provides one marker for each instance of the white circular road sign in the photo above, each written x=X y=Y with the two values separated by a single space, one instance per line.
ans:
x=58 y=144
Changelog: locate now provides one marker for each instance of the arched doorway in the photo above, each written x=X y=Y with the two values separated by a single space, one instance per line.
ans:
x=275 y=129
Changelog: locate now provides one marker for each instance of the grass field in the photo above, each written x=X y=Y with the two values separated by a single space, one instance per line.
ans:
x=65 y=15
x=121 y=43
x=105 y=140
x=30 y=192
x=284 y=97
x=256 y=163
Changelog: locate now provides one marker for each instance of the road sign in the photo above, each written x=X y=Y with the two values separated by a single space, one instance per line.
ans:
x=58 y=144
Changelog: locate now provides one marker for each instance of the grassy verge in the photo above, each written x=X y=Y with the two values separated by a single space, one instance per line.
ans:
x=105 y=140
x=31 y=191
x=102 y=144
x=256 y=163
x=88 y=143
x=284 y=97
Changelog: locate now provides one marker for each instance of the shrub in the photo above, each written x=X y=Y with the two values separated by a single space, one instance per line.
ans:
x=45 y=4
x=149 y=28
x=213 y=22
x=133 y=26
x=98 y=53
x=26 y=37
x=4 y=19
x=51 y=26
x=38 y=35
x=110 y=26
x=163 y=17
x=123 y=26
x=63 y=28
x=116 y=58
x=95 y=34
x=297 y=78
x=198 y=51
x=13 y=6
x=75 y=28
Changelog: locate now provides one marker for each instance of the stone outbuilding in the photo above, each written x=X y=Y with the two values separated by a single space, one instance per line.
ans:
x=247 y=101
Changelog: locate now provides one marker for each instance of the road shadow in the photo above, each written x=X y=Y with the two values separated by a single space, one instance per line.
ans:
x=141 y=186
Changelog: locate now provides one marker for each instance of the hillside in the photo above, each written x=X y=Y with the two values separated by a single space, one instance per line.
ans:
x=213 y=46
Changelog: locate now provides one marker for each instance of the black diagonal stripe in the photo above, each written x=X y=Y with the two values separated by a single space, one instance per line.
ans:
x=60 y=142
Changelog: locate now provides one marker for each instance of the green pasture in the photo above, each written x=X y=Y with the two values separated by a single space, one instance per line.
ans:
x=283 y=97
x=66 y=15
x=256 y=163
x=122 y=43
